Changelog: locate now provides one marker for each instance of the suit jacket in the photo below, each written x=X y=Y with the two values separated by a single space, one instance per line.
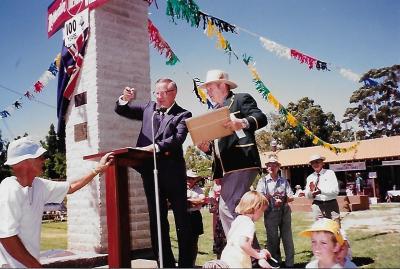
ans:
x=234 y=153
x=170 y=135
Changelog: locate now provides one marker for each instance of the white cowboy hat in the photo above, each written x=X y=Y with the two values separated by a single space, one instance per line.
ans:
x=22 y=149
x=316 y=157
x=216 y=75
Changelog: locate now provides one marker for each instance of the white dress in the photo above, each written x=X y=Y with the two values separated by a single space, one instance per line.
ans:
x=233 y=255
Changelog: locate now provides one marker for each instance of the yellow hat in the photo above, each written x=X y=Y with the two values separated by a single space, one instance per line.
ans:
x=326 y=225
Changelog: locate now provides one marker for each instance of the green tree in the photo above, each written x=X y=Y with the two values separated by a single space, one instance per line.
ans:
x=55 y=165
x=5 y=170
x=311 y=116
x=263 y=139
x=377 y=103
x=198 y=161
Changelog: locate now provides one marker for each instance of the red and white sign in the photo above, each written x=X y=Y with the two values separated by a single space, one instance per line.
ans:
x=62 y=10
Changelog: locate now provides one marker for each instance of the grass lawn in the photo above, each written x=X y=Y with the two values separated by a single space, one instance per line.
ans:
x=54 y=235
x=371 y=249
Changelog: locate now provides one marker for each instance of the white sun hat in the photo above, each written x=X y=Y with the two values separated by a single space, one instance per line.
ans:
x=215 y=76
x=316 y=157
x=23 y=149
x=192 y=174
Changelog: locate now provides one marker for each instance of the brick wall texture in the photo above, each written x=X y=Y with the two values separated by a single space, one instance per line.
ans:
x=117 y=55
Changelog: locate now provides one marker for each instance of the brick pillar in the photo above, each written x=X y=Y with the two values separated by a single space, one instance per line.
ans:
x=117 y=55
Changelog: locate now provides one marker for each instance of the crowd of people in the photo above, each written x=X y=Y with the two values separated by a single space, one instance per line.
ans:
x=235 y=208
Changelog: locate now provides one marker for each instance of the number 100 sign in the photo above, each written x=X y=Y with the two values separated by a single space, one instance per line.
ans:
x=75 y=27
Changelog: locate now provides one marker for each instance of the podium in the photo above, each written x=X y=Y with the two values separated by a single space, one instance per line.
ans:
x=117 y=202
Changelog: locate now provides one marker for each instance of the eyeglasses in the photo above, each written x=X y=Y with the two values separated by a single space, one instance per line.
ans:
x=162 y=93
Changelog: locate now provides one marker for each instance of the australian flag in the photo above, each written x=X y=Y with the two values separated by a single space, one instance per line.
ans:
x=70 y=67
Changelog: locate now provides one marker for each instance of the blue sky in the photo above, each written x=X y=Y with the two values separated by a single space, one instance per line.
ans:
x=356 y=35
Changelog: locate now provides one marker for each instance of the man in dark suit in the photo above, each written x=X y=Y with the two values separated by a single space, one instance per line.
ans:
x=169 y=137
x=236 y=158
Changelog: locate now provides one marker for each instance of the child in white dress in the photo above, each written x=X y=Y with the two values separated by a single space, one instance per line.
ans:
x=238 y=250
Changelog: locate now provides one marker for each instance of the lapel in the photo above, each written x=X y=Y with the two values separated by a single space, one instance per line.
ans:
x=167 y=118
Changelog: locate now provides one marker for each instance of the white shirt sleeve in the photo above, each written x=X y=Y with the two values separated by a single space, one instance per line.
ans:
x=260 y=185
x=329 y=186
x=307 y=190
x=121 y=101
x=55 y=191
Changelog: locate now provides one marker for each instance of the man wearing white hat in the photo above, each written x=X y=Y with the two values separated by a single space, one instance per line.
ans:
x=278 y=216
x=22 y=199
x=236 y=158
x=322 y=186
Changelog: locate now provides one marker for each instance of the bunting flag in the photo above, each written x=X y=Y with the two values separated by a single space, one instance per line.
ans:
x=188 y=10
x=159 y=43
x=276 y=48
x=184 y=9
x=37 y=87
x=201 y=94
x=293 y=122
x=212 y=31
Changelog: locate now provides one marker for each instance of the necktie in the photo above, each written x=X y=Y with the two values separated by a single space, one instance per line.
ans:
x=157 y=121
x=316 y=183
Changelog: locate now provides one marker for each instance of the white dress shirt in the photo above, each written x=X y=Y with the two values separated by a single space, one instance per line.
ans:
x=327 y=183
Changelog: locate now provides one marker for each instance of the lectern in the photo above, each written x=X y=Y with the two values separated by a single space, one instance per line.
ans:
x=117 y=202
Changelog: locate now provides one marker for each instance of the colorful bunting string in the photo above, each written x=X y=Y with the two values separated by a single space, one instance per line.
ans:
x=211 y=31
x=189 y=11
x=311 y=62
x=293 y=122
x=159 y=43
x=38 y=87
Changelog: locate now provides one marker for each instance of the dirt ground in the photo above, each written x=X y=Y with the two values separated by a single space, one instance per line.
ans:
x=383 y=217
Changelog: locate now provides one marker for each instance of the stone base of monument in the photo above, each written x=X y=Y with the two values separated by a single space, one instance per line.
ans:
x=61 y=258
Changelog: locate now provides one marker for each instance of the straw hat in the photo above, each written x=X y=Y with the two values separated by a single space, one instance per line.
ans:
x=326 y=225
x=272 y=159
x=215 y=76
x=22 y=149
